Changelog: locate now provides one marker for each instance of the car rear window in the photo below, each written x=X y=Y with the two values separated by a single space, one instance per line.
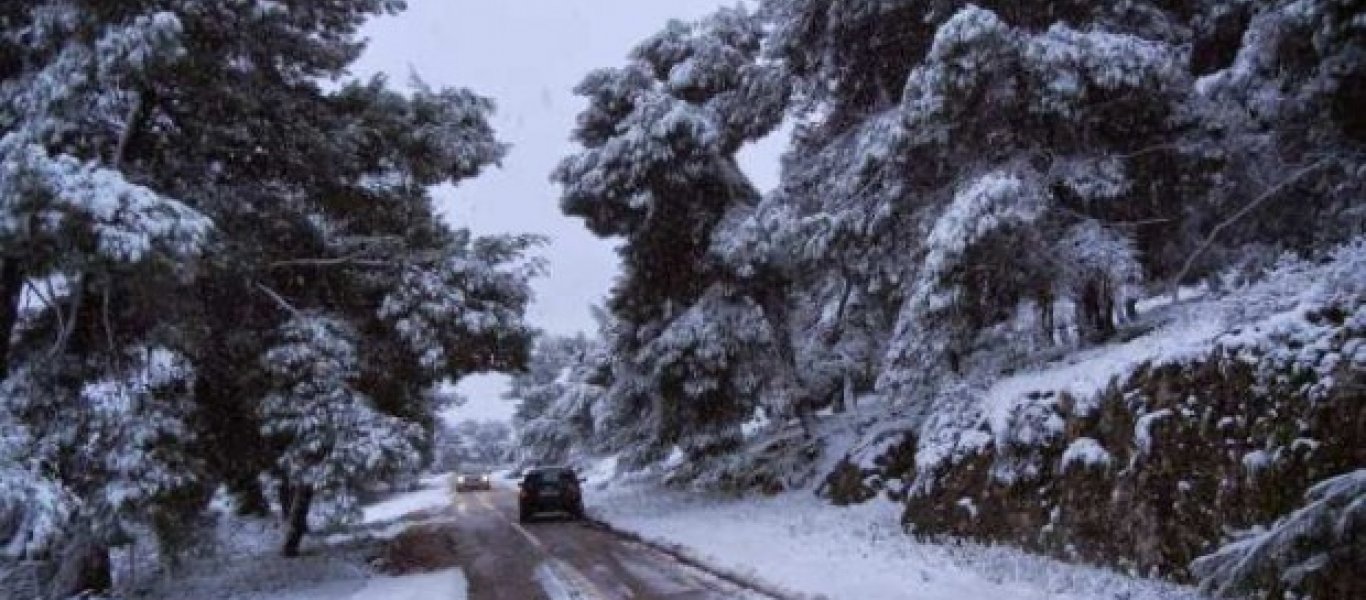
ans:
x=550 y=477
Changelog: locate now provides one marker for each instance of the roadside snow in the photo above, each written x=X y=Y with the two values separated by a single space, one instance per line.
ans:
x=443 y=585
x=434 y=494
x=243 y=563
x=798 y=542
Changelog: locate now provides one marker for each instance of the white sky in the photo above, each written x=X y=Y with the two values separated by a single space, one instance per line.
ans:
x=528 y=55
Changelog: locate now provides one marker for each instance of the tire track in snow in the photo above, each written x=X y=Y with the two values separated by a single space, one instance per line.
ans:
x=556 y=577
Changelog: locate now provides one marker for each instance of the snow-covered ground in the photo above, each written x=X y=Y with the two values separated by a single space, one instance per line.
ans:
x=244 y=564
x=434 y=493
x=441 y=585
x=800 y=543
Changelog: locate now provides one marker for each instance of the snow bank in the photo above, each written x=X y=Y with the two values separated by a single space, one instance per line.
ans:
x=242 y=562
x=434 y=494
x=445 y=585
x=802 y=543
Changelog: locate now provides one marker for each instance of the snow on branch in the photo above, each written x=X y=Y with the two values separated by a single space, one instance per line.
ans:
x=1321 y=535
x=45 y=196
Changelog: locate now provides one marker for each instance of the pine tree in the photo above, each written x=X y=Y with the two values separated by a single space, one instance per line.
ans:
x=934 y=141
x=179 y=189
x=334 y=440
x=658 y=169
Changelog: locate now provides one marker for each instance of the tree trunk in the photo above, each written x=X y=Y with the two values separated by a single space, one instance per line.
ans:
x=769 y=294
x=11 y=291
x=83 y=567
x=297 y=522
x=850 y=399
x=1095 y=312
x=284 y=491
x=251 y=500
x=1108 y=313
x=1044 y=299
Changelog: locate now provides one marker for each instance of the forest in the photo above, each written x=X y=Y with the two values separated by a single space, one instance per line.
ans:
x=973 y=191
x=222 y=274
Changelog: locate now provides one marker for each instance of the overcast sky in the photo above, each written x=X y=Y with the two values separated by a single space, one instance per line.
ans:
x=528 y=55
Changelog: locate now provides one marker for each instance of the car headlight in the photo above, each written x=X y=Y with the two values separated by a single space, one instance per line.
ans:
x=460 y=479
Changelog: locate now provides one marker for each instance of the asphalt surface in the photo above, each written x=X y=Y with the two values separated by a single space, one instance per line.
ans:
x=559 y=559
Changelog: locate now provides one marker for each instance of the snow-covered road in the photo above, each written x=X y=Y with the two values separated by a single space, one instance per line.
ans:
x=563 y=559
x=792 y=546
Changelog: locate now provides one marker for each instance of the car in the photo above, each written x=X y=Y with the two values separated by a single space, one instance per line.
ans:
x=550 y=490
x=470 y=481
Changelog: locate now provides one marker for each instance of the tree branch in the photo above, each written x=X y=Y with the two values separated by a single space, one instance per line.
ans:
x=1150 y=150
x=1138 y=223
x=279 y=300
x=108 y=323
x=1249 y=207
x=48 y=301
x=355 y=260
x=77 y=296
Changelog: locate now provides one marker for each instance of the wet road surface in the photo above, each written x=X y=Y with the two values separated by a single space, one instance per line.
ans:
x=559 y=559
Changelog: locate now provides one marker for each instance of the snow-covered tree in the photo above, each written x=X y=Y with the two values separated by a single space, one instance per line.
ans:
x=983 y=100
x=72 y=212
x=958 y=170
x=536 y=388
x=475 y=296
x=479 y=443
x=333 y=438
x=560 y=401
x=174 y=179
x=120 y=457
x=658 y=169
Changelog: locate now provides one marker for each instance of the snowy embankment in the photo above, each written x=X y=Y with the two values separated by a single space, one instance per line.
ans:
x=1210 y=423
x=243 y=562
x=1143 y=454
x=800 y=543
x=1016 y=410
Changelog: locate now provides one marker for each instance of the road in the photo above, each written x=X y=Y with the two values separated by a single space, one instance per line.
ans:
x=557 y=559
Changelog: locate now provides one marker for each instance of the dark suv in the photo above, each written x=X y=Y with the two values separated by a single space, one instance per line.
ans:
x=550 y=489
